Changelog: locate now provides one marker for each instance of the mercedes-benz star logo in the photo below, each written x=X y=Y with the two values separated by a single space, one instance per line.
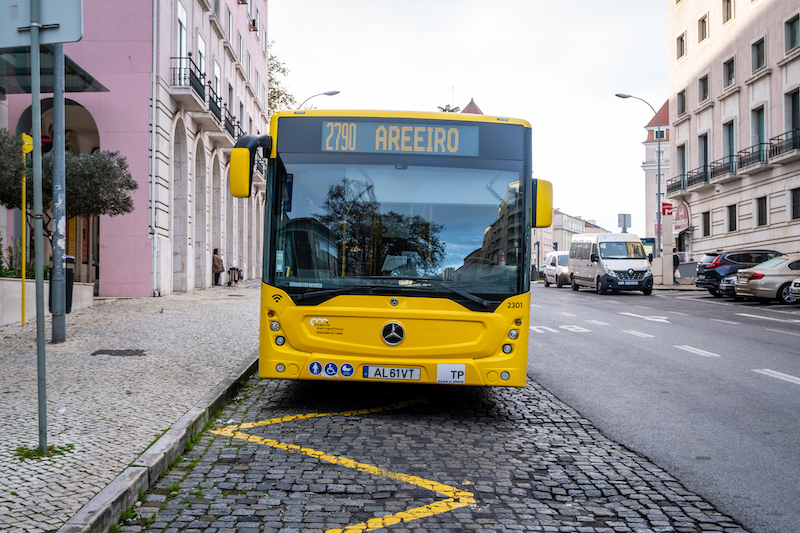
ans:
x=393 y=333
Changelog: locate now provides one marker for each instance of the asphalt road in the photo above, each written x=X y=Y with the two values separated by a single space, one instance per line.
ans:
x=706 y=388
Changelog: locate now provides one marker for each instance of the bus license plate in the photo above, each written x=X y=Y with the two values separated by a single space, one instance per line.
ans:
x=392 y=372
x=628 y=282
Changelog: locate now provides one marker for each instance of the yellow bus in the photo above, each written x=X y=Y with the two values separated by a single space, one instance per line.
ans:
x=396 y=246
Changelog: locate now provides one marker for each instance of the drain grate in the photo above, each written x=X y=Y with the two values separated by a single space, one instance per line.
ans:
x=123 y=353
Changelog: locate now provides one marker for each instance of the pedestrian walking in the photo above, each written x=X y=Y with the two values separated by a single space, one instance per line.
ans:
x=216 y=266
x=676 y=261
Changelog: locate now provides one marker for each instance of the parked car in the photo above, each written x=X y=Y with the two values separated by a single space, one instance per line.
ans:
x=770 y=280
x=716 y=265
x=555 y=269
x=794 y=288
x=727 y=287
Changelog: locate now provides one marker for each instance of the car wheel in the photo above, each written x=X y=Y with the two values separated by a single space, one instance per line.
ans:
x=546 y=283
x=784 y=296
x=600 y=288
x=647 y=291
x=574 y=284
x=714 y=292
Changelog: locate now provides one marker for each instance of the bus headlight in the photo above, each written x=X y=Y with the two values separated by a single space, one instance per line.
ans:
x=275 y=325
x=513 y=334
x=610 y=271
x=507 y=348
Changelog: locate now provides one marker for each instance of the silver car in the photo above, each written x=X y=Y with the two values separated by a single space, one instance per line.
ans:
x=556 y=270
x=771 y=280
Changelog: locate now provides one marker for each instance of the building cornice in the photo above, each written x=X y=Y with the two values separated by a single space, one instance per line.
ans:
x=707 y=104
x=763 y=73
x=729 y=91
x=791 y=56
x=681 y=119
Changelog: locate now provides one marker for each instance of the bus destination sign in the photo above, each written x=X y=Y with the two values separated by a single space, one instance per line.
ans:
x=385 y=138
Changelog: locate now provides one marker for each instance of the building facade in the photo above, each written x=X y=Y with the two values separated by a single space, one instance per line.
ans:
x=735 y=123
x=656 y=167
x=564 y=227
x=185 y=80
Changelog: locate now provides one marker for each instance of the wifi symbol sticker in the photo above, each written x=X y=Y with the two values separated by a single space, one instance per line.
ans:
x=277 y=297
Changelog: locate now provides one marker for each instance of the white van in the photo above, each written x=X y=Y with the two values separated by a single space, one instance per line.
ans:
x=609 y=261
x=555 y=269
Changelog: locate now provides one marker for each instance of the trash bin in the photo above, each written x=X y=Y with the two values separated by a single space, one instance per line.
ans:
x=69 y=280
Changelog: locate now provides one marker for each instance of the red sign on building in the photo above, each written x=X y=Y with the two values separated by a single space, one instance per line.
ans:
x=681 y=218
x=666 y=209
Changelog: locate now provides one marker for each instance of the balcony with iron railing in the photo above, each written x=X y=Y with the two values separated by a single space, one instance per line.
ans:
x=187 y=83
x=697 y=178
x=723 y=170
x=785 y=148
x=753 y=160
x=677 y=186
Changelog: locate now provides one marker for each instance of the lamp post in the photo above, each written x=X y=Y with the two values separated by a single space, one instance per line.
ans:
x=658 y=176
x=329 y=93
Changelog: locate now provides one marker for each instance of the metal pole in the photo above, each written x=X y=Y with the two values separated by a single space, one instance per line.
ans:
x=36 y=116
x=658 y=177
x=58 y=279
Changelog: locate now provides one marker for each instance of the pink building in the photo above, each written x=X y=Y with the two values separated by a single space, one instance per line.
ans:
x=185 y=79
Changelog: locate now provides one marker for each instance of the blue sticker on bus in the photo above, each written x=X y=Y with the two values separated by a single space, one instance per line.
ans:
x=347 y=370
x=331 y=369
x=315 y=368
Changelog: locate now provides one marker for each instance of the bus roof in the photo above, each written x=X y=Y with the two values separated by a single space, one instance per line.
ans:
x=426 y=115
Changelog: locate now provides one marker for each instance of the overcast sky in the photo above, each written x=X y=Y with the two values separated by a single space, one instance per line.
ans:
x=555 y=64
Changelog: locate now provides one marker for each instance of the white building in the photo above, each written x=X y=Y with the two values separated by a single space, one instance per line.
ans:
x=735 y=122
x=655 y=150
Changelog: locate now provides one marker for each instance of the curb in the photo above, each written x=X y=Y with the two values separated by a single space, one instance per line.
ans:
x=102 y=511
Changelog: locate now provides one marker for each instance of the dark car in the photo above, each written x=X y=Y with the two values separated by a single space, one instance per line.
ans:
x=717 y=265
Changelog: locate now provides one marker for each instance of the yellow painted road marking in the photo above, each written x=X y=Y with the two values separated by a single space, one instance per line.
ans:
x=455 y=498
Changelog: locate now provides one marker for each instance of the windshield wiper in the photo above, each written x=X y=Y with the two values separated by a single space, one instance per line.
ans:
x=471 y=297
x=332 y=292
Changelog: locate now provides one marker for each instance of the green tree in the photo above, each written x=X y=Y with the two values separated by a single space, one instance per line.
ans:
x=96 y=184
x=278 y=96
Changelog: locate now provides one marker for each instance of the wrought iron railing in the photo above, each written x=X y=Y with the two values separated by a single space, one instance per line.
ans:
x=186 y=74
x=720 y=167
x=230 y=123
x=261 y=165
x=752 y=155
x=697 y=176
x=214 y=102
x=784 y=143
x=676 y=184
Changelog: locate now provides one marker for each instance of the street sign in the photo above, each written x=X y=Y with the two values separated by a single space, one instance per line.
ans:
x=666 y=209
x=61 y=22
x=27 y=143
x=623 y=220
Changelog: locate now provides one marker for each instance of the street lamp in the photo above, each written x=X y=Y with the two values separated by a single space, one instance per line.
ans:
x=658 y=177
x=329 y=93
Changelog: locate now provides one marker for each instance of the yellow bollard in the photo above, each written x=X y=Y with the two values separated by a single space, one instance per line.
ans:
x=27 y=147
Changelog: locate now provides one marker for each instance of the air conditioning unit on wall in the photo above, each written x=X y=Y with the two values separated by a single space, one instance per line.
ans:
x=253 y=25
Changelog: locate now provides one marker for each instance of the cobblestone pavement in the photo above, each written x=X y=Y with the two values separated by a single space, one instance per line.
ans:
x=103 y=411
x=294 y=456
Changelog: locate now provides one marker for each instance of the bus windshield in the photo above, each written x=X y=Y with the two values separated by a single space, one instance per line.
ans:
x=622 y=250
x=365 y=225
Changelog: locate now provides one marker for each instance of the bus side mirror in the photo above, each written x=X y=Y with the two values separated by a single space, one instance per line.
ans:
x=594 y=258
x=243 y=159
x=650 y=257
x=541 y=203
